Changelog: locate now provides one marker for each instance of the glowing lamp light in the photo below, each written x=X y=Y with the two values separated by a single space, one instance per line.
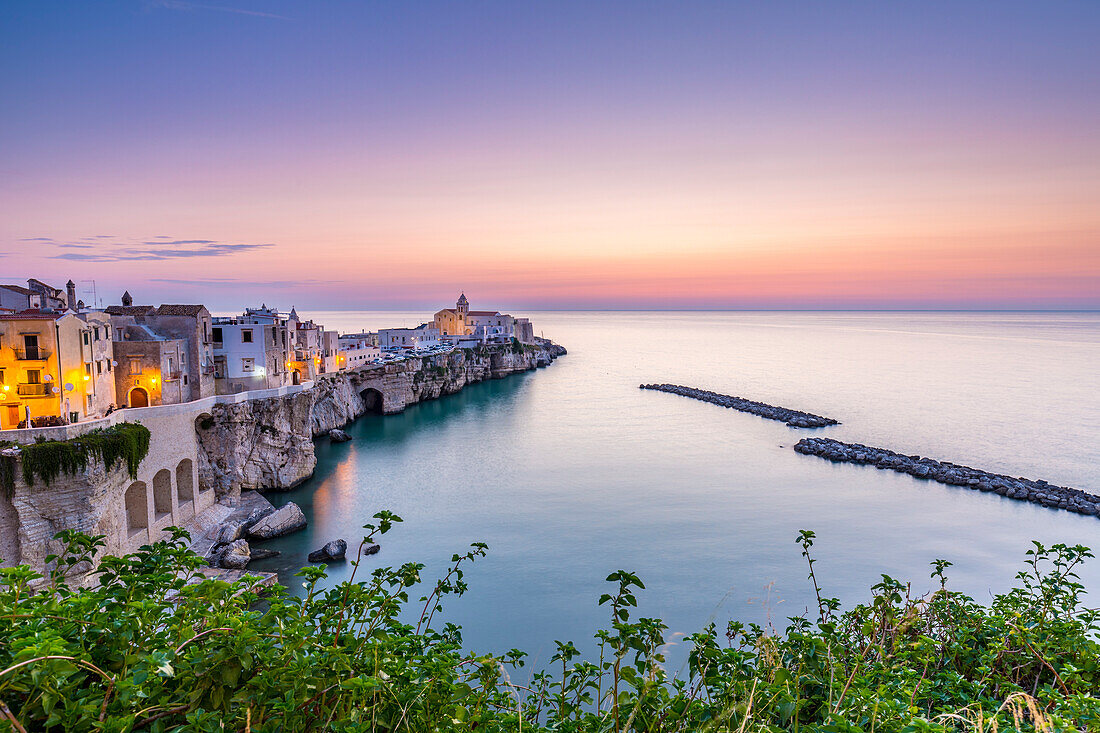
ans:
x=7 y=387
x=86 y=377
x=153 y=380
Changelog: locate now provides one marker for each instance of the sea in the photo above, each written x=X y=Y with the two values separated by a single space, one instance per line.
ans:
x=571 y=472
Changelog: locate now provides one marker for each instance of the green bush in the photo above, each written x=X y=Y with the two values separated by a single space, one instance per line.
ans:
x=47 y=459
x=153 y=646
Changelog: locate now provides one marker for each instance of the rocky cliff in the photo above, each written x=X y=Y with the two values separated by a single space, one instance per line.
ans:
x=268 y=443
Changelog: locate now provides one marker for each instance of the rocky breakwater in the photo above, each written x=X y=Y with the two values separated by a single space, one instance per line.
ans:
x=268 y=443
x=1022 y=489
x=793 y=418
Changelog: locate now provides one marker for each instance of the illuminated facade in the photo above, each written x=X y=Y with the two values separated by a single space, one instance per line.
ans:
x=56 y=367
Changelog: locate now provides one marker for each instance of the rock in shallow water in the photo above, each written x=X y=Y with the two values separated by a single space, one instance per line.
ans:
x=283 y=520
x=235 y=556
x=338 y=436
x=335 y=550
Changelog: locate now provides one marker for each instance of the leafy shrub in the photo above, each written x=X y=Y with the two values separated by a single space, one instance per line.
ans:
x=154 y=646
x=47 y=459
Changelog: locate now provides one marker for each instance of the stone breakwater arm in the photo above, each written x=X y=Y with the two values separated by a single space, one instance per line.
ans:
x=1021 y=489
x=794 y=418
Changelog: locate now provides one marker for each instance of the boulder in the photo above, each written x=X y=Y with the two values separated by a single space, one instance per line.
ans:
x=371 y=549
x=255 y=516
x=338 y=436
x=262 y=554
x=235 y=556
x=283 y=520
x=335 y=550
x=229 y=532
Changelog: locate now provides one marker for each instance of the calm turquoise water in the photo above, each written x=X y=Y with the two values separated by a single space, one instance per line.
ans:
x=571 y=472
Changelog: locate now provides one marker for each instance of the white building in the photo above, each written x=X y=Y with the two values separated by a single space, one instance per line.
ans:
x=358 y=349
x=421 y=337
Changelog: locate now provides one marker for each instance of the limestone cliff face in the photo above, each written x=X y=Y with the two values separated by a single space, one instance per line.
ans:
x=90 y=501
x=267 y=444
x=257 y=444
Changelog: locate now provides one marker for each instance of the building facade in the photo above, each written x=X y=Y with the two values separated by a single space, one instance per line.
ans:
x=55 y=368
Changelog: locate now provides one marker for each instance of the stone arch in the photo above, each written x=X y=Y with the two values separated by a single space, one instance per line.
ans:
x=137 y=508
x=139 y=397
x=162 y=494
x=204 y=421
x=373 y=400
x=185 y=481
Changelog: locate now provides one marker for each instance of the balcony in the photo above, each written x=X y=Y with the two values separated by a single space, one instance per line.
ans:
x=34 y=390
x=36 y=354
x=172 y=376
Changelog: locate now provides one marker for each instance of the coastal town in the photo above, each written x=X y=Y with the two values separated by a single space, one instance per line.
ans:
x=64 y=362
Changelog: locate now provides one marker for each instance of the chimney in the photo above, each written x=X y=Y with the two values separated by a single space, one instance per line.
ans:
x=127 y=300
x=70 y=295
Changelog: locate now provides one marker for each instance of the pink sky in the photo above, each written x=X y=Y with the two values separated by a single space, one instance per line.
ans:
x=839 y=176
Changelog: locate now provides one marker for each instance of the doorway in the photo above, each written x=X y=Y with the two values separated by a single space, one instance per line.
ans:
x=139 y=397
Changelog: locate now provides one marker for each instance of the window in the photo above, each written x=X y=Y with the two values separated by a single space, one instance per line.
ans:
x=108 y=364
x=86 y=338
x=1 y=376
x=171 y=365
x=185 y=379
x=246 y=335
x=107 y=332
x=247 y=364
x=34 y=376
x=98 y=366
x=88 y=368
x=135 y=366
x=217 y=335
x=97 y=333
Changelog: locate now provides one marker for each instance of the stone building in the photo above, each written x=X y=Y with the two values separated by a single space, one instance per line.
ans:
x=55 y=367
x=482 y=325
x=168 y=353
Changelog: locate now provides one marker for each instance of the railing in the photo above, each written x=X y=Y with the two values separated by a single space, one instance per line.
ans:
x=34 y=390
x=38 y=354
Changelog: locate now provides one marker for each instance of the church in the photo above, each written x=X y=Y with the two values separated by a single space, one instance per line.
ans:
x=482 y=325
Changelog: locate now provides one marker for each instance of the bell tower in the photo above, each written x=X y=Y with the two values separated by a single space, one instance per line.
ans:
x=462 y=307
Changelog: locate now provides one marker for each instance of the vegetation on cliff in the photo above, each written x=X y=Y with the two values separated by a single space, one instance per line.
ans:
x=47 y=459
x=154 y=647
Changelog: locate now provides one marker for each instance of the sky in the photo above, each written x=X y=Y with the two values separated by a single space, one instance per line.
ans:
x=554 y=155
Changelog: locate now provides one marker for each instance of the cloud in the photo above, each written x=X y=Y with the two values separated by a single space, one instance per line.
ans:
x=36 y=239
x=237 y=282
x=186 y=241
x=153 y=250
x=188 y=6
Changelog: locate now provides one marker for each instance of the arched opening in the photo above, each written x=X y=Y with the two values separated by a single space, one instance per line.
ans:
x=162 y=494
x=137 y=508
x=295 y=377
x=185 y=481
x=203 y=422
x=139 y=397
x=372 y=400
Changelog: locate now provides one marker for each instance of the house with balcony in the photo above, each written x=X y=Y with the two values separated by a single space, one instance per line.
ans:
x=256 y=350
x=56 y=367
